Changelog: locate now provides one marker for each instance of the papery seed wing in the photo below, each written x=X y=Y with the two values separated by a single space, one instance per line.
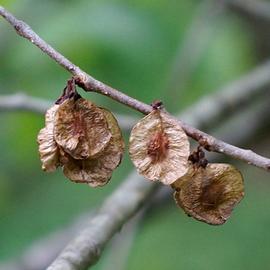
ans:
x=211 y=194
x=98 y=171
x=81 y=128
x=159 y=148
x=48 y=149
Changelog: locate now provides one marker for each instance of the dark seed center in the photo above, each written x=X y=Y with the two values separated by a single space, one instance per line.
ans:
x=212 y=195
x=158 y=146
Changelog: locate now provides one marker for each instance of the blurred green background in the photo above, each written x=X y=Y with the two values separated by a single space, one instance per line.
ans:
x=141 y=47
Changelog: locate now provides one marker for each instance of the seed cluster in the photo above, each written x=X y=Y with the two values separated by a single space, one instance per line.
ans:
x=86 y=141
x=83 y=139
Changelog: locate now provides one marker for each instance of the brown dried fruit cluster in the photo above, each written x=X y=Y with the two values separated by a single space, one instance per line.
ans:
x=209 y=194
x=82 y=138
x=159 y=147
x=87 y=142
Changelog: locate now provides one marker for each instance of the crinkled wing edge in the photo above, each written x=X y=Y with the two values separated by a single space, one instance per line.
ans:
x=233 y=193
x=48 y=149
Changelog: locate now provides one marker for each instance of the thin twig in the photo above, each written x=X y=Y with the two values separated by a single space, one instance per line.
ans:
x=89 y=83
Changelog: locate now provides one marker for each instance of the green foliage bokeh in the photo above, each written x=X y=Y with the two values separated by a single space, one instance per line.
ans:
x=130 y=45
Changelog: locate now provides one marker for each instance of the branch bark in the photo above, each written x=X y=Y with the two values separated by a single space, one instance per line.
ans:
x=89 y=83
x=20 y=101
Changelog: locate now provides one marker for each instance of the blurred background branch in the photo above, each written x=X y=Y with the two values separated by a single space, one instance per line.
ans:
x=21 y=101
x=257 y=8
x=42 y=252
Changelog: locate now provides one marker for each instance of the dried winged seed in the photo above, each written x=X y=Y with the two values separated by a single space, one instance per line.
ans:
x=81 y=128
x=210 y=194
x=97 y=171
x=48 y=149
x=159 y=148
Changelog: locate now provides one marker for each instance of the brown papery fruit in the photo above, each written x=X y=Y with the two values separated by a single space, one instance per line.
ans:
x=81 y=128
x=159 y=147
x=209 y=194
x=48 y=149
x=97 y=171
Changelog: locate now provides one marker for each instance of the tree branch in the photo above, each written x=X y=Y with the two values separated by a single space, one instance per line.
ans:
x=89 y=83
